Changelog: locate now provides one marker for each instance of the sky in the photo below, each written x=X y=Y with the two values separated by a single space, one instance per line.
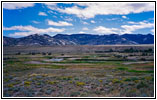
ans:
x=97 y=18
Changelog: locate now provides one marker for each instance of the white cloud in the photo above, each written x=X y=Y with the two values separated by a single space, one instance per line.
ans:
x=68 y=19
x=118 y=8
x=85 y=29
x=81 y=32
x=28 y=30
x=144 y=21
x=52 y=12
x=52 y=6
x=20 y=28
x=35 y=22
x=85 y=23
x=54 y=16
x=136 y=26
x=42 y=14
x=104 y=30
x=125 y=28
x=124 y=17
x=60 y=23
x=129 y=28
x=112 y=19
x=131 y=22
x=13 y=6
x=152 y=30
x=21 y=34
x=92 y=21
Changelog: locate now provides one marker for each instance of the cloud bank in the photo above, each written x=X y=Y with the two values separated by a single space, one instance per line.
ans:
x=13 y=6
x=60 y=23
x=42 y=14
x=28 y=30
x=90 y=10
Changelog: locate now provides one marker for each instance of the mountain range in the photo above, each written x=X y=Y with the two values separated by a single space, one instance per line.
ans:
x=79 y=39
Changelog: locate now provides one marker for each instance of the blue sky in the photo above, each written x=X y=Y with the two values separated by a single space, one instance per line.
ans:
x=23 y=19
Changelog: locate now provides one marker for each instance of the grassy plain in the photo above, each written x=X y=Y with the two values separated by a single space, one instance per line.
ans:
x=79 y=71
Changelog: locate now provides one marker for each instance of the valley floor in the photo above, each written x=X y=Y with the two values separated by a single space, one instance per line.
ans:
x=107 y=74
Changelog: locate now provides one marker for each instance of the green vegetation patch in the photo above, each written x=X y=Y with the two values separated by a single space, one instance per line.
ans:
x=142 y=85
x=80 y=83
x=45 y=66
x=130 y=79
x=127 y=79
x=17 y=67
x=52 y=82
x=55 y=67
x=135 y=71
x=27 y=83
x=139 y=71
x=10 y=85
x=86 y=57
x=122 y=68
x=12 y=61
x=116 y=80
x=148 y=78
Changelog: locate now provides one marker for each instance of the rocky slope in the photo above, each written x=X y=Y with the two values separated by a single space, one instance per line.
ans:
x=79 y=39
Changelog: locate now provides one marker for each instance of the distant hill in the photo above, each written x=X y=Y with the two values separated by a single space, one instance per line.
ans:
x=87 y=39
x=79 y=39
x=34 y=39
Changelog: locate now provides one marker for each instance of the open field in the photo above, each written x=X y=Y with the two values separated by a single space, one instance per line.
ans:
x=79 y=71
